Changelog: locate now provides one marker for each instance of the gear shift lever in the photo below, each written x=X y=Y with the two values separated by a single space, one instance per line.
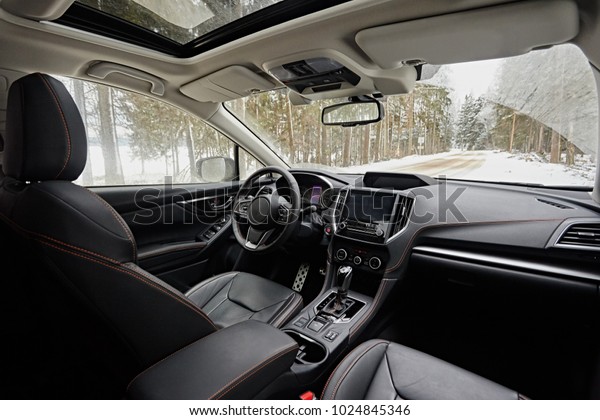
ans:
x=344 y=277
x=337 y=306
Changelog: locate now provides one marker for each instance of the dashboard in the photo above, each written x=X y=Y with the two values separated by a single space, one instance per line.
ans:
x=488 y=226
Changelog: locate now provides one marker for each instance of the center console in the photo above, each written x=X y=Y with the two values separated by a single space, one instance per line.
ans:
x=364 y=221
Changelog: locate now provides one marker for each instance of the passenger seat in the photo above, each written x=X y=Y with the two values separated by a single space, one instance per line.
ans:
x=382 y=370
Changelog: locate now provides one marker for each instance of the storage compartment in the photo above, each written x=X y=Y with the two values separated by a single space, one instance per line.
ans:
x=309 y=351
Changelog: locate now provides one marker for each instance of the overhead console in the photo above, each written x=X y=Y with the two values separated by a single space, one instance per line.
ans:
x=314 y=75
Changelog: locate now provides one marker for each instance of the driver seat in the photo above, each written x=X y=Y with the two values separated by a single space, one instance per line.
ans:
x=90 y=248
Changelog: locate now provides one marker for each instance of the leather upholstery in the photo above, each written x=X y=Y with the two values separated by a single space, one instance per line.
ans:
x=83 y=240
x=381 y=370
x=233 y=297
x=233 y=363
x=44 y=131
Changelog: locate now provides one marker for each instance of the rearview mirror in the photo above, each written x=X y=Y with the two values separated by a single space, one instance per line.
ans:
x=216 y=169
x=349 y=114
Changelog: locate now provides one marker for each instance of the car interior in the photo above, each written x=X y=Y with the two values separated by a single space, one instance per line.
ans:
x=268 y=282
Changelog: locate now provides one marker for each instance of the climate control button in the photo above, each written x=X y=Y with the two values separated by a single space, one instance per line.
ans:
x=341 y=254
x=375 y=263
x=357 y=260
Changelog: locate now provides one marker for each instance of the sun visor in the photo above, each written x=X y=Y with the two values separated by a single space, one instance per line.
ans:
x=493 y=32
x=226 y=84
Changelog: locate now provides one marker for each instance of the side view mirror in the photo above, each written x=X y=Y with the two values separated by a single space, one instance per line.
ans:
x=216 y=169
x=350 y=114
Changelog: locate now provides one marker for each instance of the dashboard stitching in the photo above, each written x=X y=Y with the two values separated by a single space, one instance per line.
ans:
x=408 y=246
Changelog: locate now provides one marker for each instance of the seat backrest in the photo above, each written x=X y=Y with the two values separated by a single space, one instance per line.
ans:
x=80 y=234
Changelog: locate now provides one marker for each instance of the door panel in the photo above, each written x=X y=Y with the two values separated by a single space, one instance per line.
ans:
x=183 y=232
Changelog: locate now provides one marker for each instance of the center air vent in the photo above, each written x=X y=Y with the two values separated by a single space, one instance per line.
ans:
x=581 y=234
x=403 y=213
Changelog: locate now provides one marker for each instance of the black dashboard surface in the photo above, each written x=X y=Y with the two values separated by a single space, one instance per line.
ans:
x=518 y=222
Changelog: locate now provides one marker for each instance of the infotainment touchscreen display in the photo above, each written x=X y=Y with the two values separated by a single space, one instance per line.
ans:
x=367 y=215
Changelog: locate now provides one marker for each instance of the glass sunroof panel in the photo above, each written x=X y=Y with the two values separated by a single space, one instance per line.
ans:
x=180 y=20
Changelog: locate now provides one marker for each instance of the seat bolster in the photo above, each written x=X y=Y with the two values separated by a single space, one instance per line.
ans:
x=352 y=377
x=378 y=369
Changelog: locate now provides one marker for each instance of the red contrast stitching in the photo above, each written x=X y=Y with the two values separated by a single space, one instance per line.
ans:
x=144 y=280
x=248 y=373
x=408 y=247
x=64 y=120
x=347 y=370
x=119 y=219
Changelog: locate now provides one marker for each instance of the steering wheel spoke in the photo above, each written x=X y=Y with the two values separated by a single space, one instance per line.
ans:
x=255 y=238
x=241 y=207
x=264 y=220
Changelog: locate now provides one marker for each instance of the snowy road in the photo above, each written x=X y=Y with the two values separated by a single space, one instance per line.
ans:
x=487 y=166
x=453 y=165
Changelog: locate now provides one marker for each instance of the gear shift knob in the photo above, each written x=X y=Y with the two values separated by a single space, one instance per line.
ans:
x=344 y=277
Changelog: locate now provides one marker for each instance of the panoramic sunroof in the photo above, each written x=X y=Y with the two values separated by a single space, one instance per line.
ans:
x=179 y=20
x=185 y=28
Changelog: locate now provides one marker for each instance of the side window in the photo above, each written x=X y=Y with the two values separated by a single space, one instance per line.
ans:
x=137 y=140
x=248 y=164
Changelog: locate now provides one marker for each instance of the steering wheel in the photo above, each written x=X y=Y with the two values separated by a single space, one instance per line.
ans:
x=265 y=220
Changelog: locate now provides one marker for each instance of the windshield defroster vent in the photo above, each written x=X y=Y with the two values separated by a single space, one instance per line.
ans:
x=581 y=235
x=554 y=204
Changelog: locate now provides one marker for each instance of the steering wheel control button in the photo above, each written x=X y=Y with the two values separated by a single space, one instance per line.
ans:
x=357 y=260
x=301 y=323
x=316 y=325
x=341 y=254
x=375 y=263
x=331 y=335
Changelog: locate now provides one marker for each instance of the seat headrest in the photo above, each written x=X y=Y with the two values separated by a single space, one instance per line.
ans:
x=45 y=135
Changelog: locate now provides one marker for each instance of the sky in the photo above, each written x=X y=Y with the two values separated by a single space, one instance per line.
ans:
x=467 y=78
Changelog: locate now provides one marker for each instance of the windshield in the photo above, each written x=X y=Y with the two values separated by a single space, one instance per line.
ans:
x=531 y=118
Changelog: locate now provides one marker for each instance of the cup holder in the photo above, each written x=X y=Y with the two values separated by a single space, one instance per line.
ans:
x=309 y=351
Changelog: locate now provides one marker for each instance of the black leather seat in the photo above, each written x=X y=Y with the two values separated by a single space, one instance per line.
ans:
x=233 y=297
x=382 y=370
x=89 y=246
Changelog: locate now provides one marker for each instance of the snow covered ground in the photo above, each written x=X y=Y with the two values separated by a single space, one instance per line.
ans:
x=477 y=165
x=490 y=166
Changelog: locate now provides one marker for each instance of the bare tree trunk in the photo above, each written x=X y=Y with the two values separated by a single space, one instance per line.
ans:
x=540 y=138
x=189 y=140
x=555 y=147
x=109 y=151
x=570 y=158
x=346 y=147
x=377 y=142
x=411 y=120
x=87 y=177
x=291 y=132
x=512 y=133
x=364 y=159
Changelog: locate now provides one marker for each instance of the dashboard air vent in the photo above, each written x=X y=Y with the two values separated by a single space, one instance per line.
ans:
x=403 y=213
x=554 y=204
x=581 y=234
